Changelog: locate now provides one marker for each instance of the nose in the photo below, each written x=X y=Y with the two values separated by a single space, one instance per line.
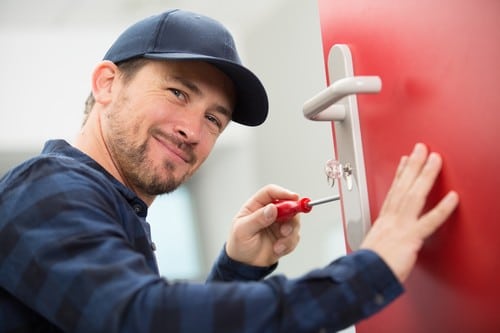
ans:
x=189 y=126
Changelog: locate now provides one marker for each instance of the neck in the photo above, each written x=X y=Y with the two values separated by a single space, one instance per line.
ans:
x=91 y=141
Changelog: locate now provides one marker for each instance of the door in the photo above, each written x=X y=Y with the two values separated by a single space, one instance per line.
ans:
x=438 y=63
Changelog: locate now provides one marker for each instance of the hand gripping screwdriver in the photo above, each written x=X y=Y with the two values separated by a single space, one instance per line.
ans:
x=288 y=208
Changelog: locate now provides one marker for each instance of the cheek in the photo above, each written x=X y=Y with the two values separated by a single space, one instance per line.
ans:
x=205 y=146
x=145 y=117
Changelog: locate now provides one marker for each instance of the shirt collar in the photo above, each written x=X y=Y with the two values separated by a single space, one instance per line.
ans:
x=63 y=149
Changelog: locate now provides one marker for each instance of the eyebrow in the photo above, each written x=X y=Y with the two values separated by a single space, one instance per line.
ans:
x=196 y=90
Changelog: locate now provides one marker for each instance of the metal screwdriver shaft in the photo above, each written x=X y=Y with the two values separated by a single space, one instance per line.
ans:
x=324 y=200
x=289 y=208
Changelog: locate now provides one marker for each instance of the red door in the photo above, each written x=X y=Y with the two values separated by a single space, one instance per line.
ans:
x=440 y=71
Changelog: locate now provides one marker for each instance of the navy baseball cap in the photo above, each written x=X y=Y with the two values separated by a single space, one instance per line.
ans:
x=184 y=35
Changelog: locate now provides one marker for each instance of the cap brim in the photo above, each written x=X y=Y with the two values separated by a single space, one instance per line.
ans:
x=251 y=99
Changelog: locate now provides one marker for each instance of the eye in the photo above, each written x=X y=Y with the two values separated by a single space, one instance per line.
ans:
x=177 y=93
x=214 y=120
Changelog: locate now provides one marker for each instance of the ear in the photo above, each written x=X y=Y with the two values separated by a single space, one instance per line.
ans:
x=103 y=78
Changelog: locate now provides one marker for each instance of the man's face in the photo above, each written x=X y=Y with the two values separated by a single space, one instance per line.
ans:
x=162 y=124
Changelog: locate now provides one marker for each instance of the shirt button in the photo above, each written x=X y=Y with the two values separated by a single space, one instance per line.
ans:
x=153 y=246
x=137 y=208
x=379 y=299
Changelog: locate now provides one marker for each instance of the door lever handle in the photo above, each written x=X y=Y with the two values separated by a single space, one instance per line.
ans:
x=322 y=106
x=338 y=103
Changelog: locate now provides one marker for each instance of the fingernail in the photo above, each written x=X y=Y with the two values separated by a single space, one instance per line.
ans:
x=418 y=149
x=269 y=212
x=280 y=248
x=286 y=229
x=451 y=198
x=434 y=158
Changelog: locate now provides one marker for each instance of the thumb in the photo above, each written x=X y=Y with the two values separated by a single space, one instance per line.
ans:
x=260 y=219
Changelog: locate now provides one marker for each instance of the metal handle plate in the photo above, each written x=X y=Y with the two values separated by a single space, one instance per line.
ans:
x=338 y=103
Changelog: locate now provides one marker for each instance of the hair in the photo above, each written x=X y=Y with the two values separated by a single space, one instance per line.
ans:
x=128 y=69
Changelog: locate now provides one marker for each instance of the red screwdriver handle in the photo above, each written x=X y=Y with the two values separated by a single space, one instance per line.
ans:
x=288 y=208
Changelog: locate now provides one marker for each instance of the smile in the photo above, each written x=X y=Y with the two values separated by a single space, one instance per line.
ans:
x=176 y=148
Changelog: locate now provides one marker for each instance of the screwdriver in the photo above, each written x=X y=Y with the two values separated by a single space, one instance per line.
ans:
x=288 y=208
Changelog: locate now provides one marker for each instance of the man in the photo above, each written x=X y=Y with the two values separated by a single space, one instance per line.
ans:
x=75 y=248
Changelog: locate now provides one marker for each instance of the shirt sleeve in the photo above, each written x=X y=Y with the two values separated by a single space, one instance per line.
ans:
x=227 y=269
x=348 y=290
x=66 y=257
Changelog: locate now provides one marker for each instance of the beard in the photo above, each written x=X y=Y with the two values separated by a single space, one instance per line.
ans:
x=141 y=172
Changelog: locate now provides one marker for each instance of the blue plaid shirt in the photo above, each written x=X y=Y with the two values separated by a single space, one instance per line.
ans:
x=76 y=256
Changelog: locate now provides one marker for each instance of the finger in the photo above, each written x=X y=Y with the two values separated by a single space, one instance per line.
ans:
x=291 y=226
x=387 y=202
x=284 y=230
x=284 y=245
x=406 y=174
x=433 y=219
x=285 y=235
x=258 y=220
x=412 y=166
x=401 y=166
x=416 y=197
x=266 y=195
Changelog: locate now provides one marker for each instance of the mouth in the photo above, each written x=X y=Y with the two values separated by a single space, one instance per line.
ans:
x=176 y=148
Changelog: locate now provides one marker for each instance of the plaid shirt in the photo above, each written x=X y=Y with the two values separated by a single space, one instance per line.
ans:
x=76 y=256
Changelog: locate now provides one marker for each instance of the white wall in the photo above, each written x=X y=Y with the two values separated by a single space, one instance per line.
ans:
x=45 y=80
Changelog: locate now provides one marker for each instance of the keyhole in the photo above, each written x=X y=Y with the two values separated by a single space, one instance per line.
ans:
x=335 y=170
x=347 y=169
